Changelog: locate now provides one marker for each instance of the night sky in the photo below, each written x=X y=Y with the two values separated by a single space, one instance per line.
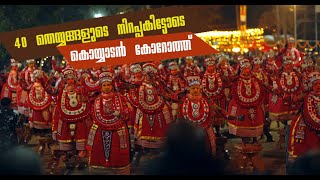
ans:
x=253 y=14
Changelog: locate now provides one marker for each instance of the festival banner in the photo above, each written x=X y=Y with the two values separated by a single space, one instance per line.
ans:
x=133 y=50
x=43 y=41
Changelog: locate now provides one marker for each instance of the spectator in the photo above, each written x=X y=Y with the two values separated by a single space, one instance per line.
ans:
x=186 y=154
x=307 y=164
x=9 y=121
x=20 y=160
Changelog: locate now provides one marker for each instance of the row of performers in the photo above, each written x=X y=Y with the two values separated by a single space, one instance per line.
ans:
x=96 y=109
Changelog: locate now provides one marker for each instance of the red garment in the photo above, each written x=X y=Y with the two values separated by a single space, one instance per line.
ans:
x=304 y=130
x=9 y=89
x=39 y=102
x=109 y=140
x=190 y=70
x=153 y=116
x=71 y=121
x=246 y=104
x=213 y=89
x=281 y=105
x=25 y=83
x=199 y=112
x=262 y=77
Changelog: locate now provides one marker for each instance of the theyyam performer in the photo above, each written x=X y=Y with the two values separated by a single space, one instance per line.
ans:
x=25 y=83
x=39 y=102
x=71 y=114
x=196 y=108
x=153 y=116
x=246 y=105
x=109 y=140
x=305 y=128
x=9 y=89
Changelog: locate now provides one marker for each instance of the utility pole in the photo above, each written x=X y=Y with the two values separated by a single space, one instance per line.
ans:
x=295 y=21
x=316 y=25
x=278 y=21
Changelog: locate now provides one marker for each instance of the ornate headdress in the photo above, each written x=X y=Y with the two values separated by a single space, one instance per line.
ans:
x=291 y=40
x=244 y=63
x=105 y=76
x=135 y=68
x=30 y=61
x=37 y=73
x=209 y=62
x=189 y=57
x=314 y=76
x=13 y=62
x=257 y=60
x=193 y=80
x=173 y=65
x=149 y=68
x=69 y=71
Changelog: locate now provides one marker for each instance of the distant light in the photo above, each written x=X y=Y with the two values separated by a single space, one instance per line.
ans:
x=236 y=49
x=63 y=62
x=121 y=12
x=98 y=15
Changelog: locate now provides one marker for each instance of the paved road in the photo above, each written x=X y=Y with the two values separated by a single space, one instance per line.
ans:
x=272 y=159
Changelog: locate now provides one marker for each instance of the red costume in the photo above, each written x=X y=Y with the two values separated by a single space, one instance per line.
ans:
x=308 y=68
x=305 y=128
x=25 y=83
x=228 y=75
x=133 y=93
x=153 y=115
x=190 y=68
x=293 y=53
x=195 y=108
x=176 y=83
x=109 y=140
x=9 y=89
x=71 y=113
x=39 y=102
x=213 y=89
x=246 y=104
x=288 y=85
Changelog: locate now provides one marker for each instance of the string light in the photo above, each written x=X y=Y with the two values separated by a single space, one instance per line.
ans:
x=227 y=40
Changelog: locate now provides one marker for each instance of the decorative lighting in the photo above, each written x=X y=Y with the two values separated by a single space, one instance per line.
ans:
x=98 y=15
x=231 y=39
x=236 y=49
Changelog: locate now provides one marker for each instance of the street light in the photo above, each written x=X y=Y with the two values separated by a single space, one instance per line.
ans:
x=98 y=15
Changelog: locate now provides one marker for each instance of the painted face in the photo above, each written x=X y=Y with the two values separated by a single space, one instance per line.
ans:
x=316 y=86
x=138 y=75
x=189 y=61
x=224 y=65
x=246 y=70
x=14 y=67
x=195 y=90
x=106 y=87
x=291 y=44
x=174 y=71
x=287 y=67
x=210 y=69
x=70 y=80
x=257 y=66
x=31 y=65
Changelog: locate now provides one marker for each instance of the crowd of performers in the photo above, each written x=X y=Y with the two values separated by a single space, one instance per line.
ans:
x=106 y=113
